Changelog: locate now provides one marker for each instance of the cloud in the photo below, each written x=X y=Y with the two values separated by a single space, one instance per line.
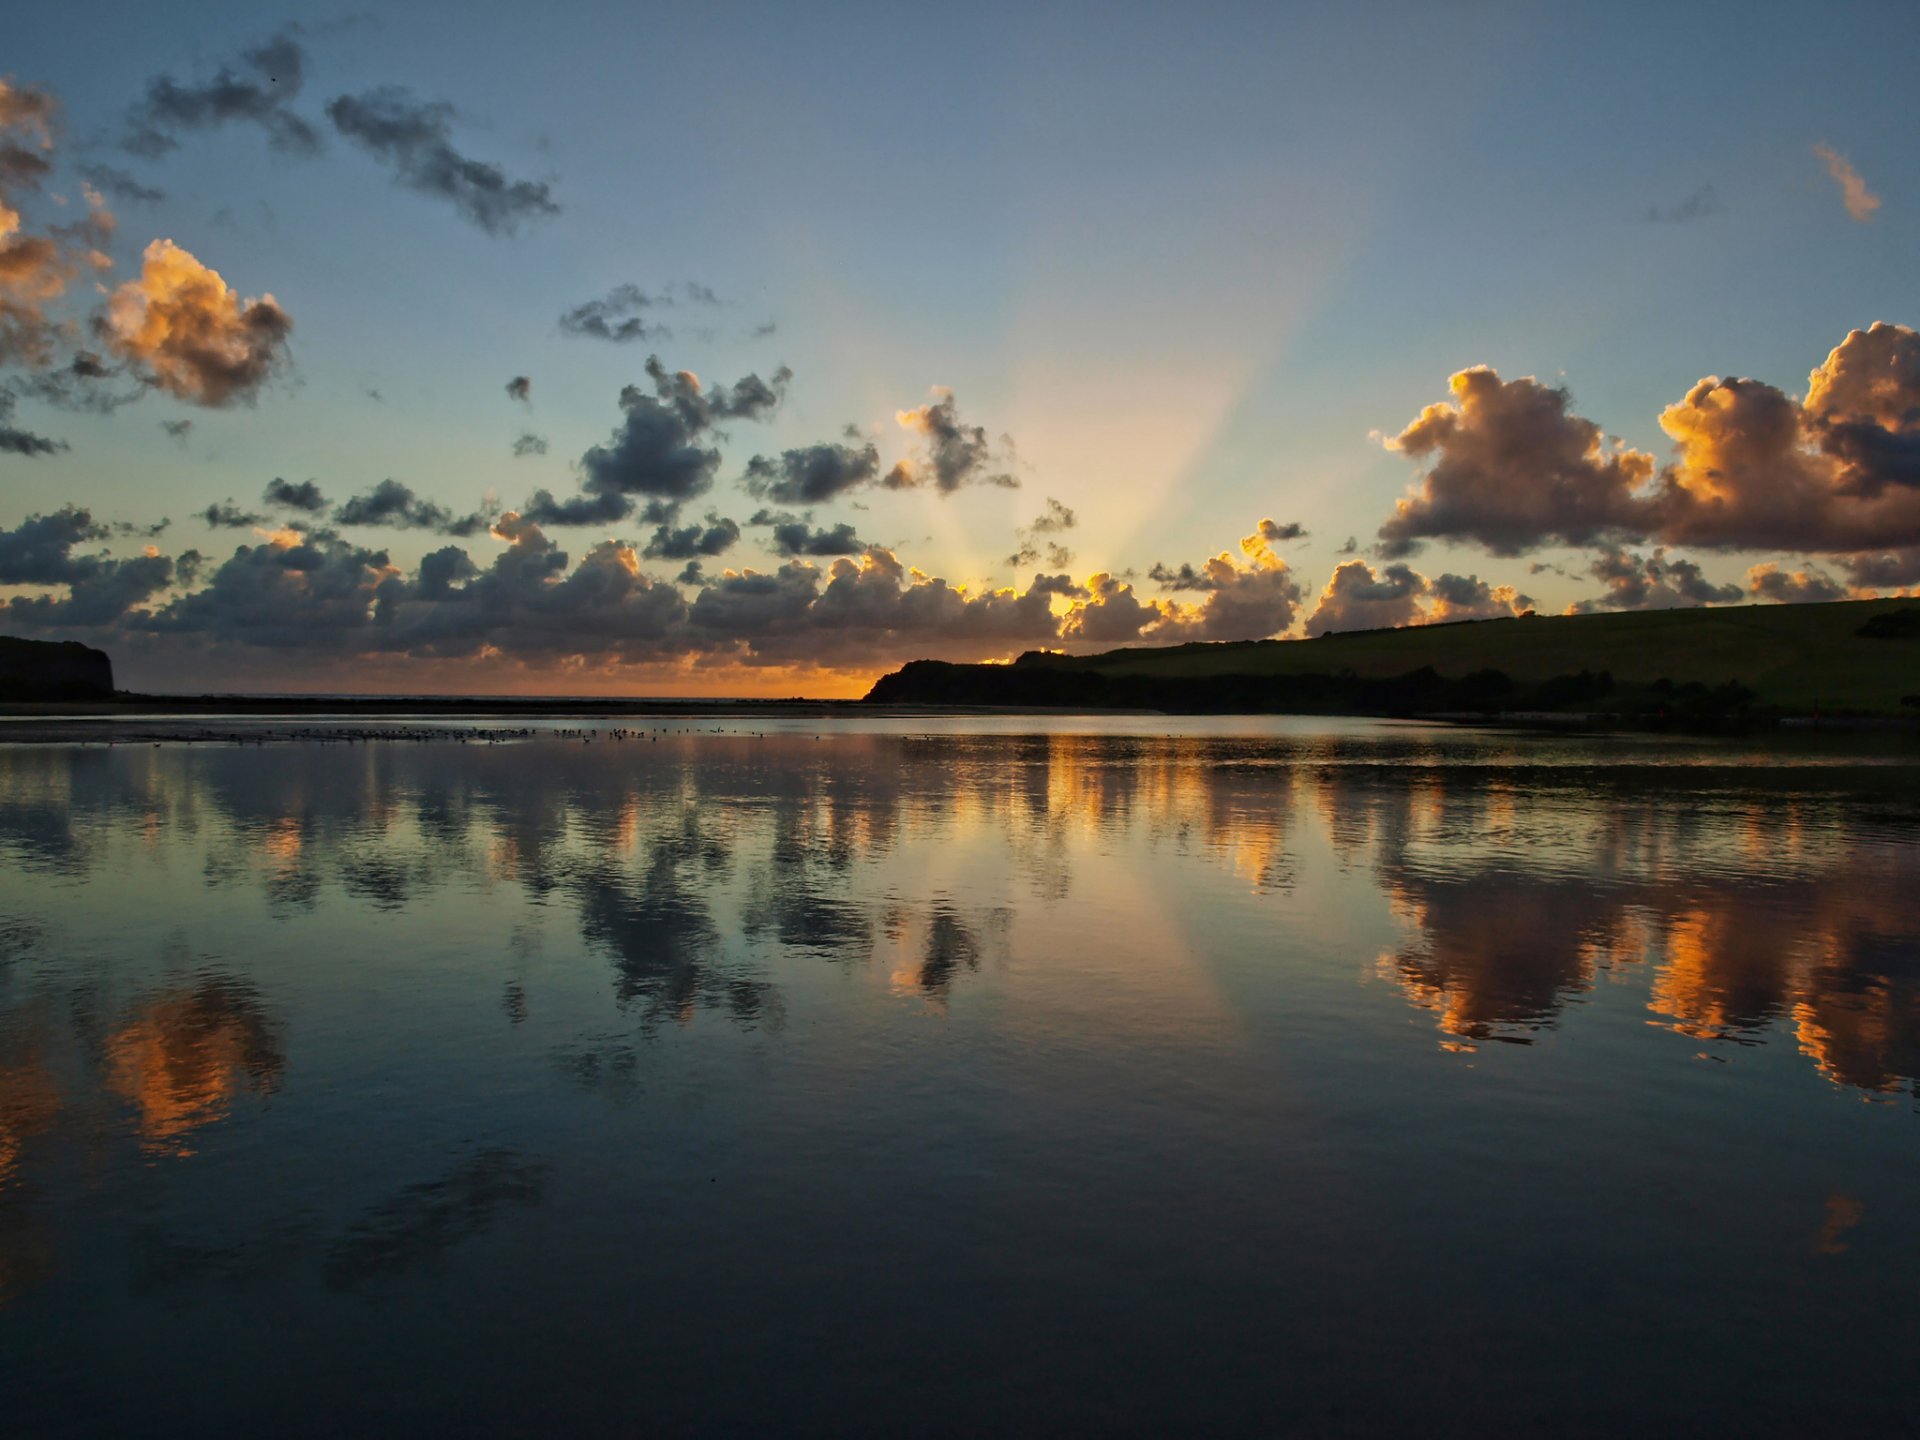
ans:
x=1468 y=597
x=122 y=186
x=36 y=269
x=190 y=334
x=225 y=515
x=177 y=429
x=1358 y=599
x=796 y=537
x=1697 y=206
x=26 y=135
x=1651 y=582
x=957 y=454
x=1258 y=547
x=1770 y=582
x=1035 y=542
x=1513 y=467
x=414 y=138
x=813 y=473
x=1061 y=585
x=700 y=407
x=100 y=589
x=302 y=495
x=1111 y=614
x=255 y=89
x=1884 y=569
x=1250 y=598
x=620 y=315
x=602 y=509
x=655 y=453
x=520 y=388
x=394 y=505
x=1861 y=202
x=1757 y=469
x=869 y=608
x=1753 y=467
x=529 y=444
x=15 y=441
x=716 y=537
x=616 y=317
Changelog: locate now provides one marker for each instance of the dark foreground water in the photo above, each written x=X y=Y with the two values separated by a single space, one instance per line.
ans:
x=1315 y=1078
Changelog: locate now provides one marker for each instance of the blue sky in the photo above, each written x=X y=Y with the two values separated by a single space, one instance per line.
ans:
x=1193 y=264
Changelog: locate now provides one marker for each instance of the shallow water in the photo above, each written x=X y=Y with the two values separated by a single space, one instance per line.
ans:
x=1134 y=1074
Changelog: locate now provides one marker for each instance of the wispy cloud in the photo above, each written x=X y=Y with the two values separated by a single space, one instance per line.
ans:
x=1859 y=200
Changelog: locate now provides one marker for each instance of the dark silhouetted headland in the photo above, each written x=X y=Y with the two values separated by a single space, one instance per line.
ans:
x=1858 y=658
x=48 y=670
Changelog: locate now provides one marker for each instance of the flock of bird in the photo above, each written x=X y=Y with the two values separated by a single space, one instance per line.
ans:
x=462 y=735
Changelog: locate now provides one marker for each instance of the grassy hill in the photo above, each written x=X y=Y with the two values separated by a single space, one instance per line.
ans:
x=1845 y=657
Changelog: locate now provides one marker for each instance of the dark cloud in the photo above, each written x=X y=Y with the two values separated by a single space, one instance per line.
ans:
x=302 y=495
x=1468 y=597
x=1651 y=582
x=860 y=610
x=225 y=515
x=700 y=407
x=1274 y=533
x=813 y=473
x=601 y=509
x=1035 y=542
x=797 y=537
x=100 y=589
x=621 y=315
x=1697 y=206
x=255 y=89
x=529 y=444
x=122 y=186
x=414 y=138
x=177 y=429
x=615 y=317
x=394 y=505
x=1061 y=585
x=716 y=537
x=957 y=454
x=1770 y=582
x=520 y=388
x=1884 y=569
x=655 y=454
x=15 y=441
x=1352 y=547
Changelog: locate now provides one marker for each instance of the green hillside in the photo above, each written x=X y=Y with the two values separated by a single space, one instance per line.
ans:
x=1790 y=658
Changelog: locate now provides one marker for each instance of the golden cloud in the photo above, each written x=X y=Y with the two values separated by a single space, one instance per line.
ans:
x=192 y=333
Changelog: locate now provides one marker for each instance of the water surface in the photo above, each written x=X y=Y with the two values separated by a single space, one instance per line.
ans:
x=1133 y=1074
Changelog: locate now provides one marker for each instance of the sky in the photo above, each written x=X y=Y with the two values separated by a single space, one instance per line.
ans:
x=757 y=349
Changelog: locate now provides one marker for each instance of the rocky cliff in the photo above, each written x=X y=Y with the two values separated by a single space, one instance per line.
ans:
x=48 y=670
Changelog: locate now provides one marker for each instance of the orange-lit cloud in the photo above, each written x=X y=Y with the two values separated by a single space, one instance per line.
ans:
x=1861 y=202
x=191 y=333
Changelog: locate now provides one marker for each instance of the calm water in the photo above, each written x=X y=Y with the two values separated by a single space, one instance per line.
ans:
x=1311 y=1075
